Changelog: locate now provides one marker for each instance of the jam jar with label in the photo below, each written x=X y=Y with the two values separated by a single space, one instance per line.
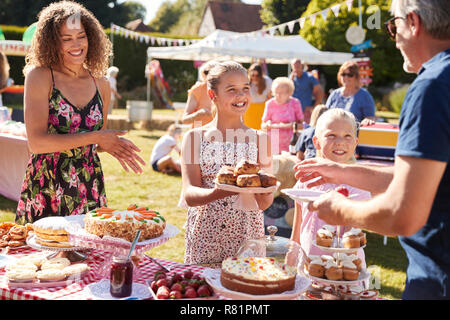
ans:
x=121 y=277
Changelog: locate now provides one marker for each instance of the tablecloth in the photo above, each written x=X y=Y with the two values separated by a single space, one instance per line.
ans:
x=14 y=157
x=75 y=290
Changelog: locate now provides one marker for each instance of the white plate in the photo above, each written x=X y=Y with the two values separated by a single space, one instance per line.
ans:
x=363 y=276
x=340 y=250
x=212 y=277
x=5 y=260
x=229 y=187
x=306 y=195
x=100 y=290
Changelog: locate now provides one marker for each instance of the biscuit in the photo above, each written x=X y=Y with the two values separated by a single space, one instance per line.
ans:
x=55 y=263
x=36 y=260
x=75 y=269
x=50 y=243
x=22 y=275
x=52 y=237
x=50 y=275
x=21 y=266
x=226 y=175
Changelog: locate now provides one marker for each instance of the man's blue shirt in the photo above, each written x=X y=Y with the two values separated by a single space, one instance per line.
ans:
x=303 y=91
x=425 y=133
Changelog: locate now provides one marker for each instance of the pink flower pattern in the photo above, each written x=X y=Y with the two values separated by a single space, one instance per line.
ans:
x=63 y=187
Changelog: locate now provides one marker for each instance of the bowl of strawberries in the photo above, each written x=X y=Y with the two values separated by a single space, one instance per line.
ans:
x=186 y=285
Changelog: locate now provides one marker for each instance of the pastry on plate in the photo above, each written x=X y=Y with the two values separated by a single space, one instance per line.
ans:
x=55 y=263
x=267 y=179
x=316 y=268
x=246 y=167
x=333 y=271
x=324 y=238
x=349 y=270
x=226 y=175
x=51 y=275
x=248 y=180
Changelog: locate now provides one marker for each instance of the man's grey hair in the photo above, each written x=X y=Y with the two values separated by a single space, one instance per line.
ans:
x=435 y=15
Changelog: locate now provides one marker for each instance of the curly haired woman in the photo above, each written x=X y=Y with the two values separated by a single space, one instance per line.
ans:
x=66 y=106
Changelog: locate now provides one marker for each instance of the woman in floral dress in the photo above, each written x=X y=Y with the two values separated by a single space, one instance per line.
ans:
x=215 y=229
x=66 y=105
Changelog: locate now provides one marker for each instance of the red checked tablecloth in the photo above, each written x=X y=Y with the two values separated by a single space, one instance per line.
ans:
x=75 y=290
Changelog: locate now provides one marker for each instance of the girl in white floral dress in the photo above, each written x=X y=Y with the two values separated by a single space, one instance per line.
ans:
x=214 y=228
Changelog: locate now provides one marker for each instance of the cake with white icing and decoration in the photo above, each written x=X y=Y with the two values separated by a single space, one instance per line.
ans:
x=258 y=276
x=125 y=224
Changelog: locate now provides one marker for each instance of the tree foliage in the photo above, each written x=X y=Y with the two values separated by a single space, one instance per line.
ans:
x=279 y=11
x=182 y=17
x=329 y=35
x=24 y=12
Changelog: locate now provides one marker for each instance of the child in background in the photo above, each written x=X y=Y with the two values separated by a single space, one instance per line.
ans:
x=215 y=229
x=305 y=147
x=161 y=159
x=335 y=139
x=281 y=112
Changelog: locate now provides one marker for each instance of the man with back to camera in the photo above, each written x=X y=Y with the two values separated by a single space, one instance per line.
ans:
x=412 y=199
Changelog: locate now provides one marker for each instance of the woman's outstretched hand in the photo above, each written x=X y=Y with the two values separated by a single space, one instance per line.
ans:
x=124 y=150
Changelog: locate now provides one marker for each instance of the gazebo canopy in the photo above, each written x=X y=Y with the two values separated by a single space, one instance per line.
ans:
x=246 y=47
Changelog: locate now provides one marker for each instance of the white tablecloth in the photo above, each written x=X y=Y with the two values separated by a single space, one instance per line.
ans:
x=14 y=157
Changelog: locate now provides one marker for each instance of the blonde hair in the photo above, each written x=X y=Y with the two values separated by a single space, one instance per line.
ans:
x=173 y=129
x=44 y=51
x=317 y=112
x=335 y=114
x=283 y=81
x=4 y=70
x=331 y=115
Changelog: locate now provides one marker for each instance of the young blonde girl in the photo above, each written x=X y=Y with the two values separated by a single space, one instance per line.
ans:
x=161 y=160
x=335 y=139
x=215 y=229
x=281 y=112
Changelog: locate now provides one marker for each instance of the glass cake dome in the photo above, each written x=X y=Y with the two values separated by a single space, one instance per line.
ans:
x=281 y=249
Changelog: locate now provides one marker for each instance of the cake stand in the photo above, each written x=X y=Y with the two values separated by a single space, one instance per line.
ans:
x=74 y=254
x=364 y=275
x=115 y=246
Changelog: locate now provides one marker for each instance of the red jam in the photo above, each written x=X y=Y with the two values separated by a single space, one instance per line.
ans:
x=121 y=277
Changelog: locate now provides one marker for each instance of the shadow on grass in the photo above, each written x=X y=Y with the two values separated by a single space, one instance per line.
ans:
x=390 y=256
x=391 y=292
x=152 y=137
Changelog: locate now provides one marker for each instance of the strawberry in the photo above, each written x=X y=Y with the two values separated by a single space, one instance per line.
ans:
x=175 y=295
x=188 y=274
x=163 y=293
x=176 y=287
x=177 y=277
x=190 y=293
x=162 y=282
x=203 y=291
x=343 y=190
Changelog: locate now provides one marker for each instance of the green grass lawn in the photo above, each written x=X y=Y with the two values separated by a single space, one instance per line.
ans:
x=161 y=192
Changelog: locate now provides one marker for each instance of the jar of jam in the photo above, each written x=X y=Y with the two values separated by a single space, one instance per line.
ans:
x=121 y=277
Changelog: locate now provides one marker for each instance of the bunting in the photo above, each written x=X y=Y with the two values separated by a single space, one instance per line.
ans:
x=280 y=29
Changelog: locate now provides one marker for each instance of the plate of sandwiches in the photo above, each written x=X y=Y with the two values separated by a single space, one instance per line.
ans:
x=246 y=177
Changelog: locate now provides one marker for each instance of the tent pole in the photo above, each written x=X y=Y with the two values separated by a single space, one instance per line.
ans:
x=111 y=35
x=148 y=79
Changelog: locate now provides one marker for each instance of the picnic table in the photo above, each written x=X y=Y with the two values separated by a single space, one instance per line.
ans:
x=77 y=289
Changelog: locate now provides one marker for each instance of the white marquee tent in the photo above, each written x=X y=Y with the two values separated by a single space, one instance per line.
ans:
x=247 y=47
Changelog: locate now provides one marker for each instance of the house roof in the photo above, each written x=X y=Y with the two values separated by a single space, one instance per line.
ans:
x=138 y=25
x=235 y=16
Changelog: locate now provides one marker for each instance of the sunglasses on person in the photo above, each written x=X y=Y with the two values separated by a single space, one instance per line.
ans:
x=350 y=75
x=391 y=28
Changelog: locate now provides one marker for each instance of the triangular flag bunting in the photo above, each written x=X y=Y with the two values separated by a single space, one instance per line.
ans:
x=302 y=22
x=349 y=4
x=324 y=14
x=313 y=18
x=335 y=9
x=282 y=28
x=271 y=31
x=291 y=25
